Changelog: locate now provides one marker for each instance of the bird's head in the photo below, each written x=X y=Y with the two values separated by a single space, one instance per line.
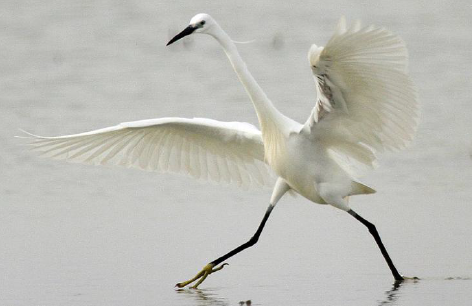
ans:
x=200 y=23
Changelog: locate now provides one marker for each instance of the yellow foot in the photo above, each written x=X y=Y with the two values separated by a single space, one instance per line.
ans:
x=201 y=276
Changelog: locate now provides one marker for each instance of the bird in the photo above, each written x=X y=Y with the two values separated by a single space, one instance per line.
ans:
x=366 y=104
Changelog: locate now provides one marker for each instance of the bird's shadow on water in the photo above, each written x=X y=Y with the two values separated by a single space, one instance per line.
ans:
x=203 y=297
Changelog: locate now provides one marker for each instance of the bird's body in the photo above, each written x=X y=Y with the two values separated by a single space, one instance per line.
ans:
x=305 y=165
x=366 y=104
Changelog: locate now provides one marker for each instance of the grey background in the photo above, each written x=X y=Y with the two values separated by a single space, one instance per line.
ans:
x=82 y=235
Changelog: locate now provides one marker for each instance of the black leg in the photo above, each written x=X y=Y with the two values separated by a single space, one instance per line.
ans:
x=249 y=243
x=210 y=268
x=374 y=233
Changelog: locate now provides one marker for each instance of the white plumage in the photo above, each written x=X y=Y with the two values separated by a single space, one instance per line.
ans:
x=226 y=152
x=366 y=100
x=366 y=104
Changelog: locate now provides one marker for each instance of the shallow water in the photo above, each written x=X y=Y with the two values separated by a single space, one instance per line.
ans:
x=82 y=235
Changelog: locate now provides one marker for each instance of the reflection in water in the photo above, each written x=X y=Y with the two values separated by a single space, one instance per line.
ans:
x=392 y=295
x=203 y=297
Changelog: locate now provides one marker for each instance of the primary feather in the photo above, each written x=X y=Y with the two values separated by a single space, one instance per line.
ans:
x=366 y=100
x=228 y=152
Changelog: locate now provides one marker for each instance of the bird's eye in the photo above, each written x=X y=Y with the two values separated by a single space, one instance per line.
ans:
x=202 y=22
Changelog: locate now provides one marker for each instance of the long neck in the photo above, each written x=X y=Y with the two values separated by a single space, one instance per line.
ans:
x=266 y=112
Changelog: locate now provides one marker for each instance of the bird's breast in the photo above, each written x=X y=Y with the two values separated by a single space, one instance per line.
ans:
x=295 y=160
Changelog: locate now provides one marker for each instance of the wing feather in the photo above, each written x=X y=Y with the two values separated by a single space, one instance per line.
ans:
x=367 y=102
x=227 y=152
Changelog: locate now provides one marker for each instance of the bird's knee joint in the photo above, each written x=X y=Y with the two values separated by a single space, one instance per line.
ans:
x=372 y=228
x=253 y=241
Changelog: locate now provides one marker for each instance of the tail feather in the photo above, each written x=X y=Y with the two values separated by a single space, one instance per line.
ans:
x=358 y=188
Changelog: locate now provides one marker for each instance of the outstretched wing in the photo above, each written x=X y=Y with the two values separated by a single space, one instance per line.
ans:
x=228 y=152
x=366 y=100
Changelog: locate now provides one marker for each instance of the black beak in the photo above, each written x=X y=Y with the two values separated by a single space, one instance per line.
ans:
x=187 y=31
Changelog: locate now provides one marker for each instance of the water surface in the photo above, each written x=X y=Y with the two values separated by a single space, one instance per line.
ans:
x=82 y=235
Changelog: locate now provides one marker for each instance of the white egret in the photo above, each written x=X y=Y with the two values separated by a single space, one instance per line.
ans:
x=366 y=104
